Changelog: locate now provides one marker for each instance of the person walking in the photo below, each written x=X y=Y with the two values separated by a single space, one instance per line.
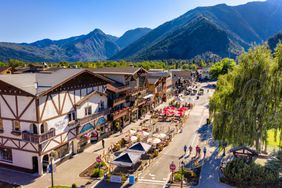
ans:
x=205 y=152
x=103 y=143
x=197 y=150
x=185 y=149
x=190 y=150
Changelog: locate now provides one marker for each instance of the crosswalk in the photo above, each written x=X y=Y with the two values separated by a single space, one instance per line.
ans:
x=151 y=181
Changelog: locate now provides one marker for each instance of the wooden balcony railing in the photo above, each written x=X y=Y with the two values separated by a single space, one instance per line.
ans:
x=135 y=91
x=89 y=118
x=119 y=113
x=35 y=138
x=119 y=100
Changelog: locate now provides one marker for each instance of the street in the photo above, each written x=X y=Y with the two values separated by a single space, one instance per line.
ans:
x=156 y=175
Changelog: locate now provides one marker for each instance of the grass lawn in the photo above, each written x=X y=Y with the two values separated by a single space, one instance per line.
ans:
x=271 y=138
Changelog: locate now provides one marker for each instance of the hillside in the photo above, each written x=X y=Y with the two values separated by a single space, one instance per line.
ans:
x=274 y=40
x=244 y=25
x=132 y=35
x=94 y=46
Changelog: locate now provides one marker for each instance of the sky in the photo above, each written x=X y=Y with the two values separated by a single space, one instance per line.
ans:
x=31 y=20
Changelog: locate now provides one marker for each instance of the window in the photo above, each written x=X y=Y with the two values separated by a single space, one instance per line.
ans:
x=88 y=111
x=6 y=154
x=1 y=125
x=102 y=105
x=62 y=151
x=72 y=116
x=16 y=126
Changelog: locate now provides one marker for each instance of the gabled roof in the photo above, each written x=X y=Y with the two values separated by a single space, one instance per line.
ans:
x=118 y=70
x=82 y=101
x=153 y=80
x=40 y=83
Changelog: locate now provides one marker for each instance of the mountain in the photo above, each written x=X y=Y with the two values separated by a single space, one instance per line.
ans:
x=274 y=40
x=236 y=27
x=94 y=46
x=132 y=35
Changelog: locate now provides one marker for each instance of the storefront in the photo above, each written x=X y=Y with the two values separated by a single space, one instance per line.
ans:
x=86 y=132
x=102 y=127
x=134 y=115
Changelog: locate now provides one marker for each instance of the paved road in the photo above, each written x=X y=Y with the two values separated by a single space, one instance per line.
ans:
x=157 y=174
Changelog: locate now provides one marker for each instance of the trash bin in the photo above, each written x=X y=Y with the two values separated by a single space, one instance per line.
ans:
x=131 y=179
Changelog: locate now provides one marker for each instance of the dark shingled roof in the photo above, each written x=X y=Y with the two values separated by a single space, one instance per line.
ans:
x=116 y=70
x=44 y=81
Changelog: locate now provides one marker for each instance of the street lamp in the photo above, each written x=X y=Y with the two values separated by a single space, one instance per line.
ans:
x=53 y=155
x=182 y=166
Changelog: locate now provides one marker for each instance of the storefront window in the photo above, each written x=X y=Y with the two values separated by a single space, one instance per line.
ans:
x=6 y=154
x=62 y=151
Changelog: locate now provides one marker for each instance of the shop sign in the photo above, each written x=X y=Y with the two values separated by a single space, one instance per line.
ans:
x=116 y=179
x=60 y=125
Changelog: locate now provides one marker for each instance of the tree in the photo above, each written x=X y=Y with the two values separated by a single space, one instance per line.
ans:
x=15 y=63
x=3 y=64
x=247 y=101
x=222 y=67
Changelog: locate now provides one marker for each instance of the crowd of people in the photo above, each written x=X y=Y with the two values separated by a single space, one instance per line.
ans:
x=197 y=149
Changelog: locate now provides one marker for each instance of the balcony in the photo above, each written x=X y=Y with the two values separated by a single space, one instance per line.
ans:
x=119 y=113
x=135 y=91
x=119 y=101
x=94 y=116
x=35 y=138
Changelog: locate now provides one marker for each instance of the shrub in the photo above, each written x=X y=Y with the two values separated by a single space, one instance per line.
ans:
x=177 y=176
x=241 y=173
x=98 y=173
x=74 y=186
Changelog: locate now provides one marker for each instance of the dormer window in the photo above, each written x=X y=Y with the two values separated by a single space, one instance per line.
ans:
x=88 y=111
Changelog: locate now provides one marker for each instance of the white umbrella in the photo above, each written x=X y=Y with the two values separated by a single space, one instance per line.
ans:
x=145 y=133
x=160 y=135
x=154 y=140
x=132 y=131
x=133 y=138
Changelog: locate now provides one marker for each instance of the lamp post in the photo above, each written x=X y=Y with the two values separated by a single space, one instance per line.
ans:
x=182 y=166
x=52 y=157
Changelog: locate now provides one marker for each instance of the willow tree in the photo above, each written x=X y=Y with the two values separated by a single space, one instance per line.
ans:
x=245 y=104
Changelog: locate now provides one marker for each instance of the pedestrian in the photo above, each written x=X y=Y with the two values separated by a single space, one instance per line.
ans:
x=205 y=152
x=190 y=149
x=199 y=152
x=103 y=143
x=120 y=130
x=185 y=149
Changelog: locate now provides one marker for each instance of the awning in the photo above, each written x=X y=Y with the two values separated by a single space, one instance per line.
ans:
x=127 y=159
x=139 y=148
x=86 y=128
x=101 y=121
x=148 y=96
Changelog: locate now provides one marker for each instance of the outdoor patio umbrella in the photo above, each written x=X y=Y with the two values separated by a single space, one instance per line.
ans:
x=154 y=140
x=139 y=147
x=160 y=135
x=127 y=159
x=131 y=131
x=133 y=138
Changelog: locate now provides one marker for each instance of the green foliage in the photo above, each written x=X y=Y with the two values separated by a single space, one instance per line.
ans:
x=74 y=186
x=15 y=63
x=247 y=102
x=3 y=64
x=222 y=67
x=241 y=173
x=177 y=176
x=98 y=172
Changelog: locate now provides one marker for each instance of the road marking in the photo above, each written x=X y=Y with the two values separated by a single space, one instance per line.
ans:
x=148 y=181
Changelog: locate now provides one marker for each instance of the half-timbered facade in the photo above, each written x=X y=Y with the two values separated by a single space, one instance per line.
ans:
x=48 y=112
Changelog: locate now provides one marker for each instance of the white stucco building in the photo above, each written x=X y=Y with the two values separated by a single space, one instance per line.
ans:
x=54 y=111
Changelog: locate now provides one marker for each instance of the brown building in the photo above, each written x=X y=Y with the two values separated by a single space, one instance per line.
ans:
x=6 y=70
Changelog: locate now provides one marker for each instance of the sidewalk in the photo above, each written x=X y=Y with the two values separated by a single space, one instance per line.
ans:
x=68 y=172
